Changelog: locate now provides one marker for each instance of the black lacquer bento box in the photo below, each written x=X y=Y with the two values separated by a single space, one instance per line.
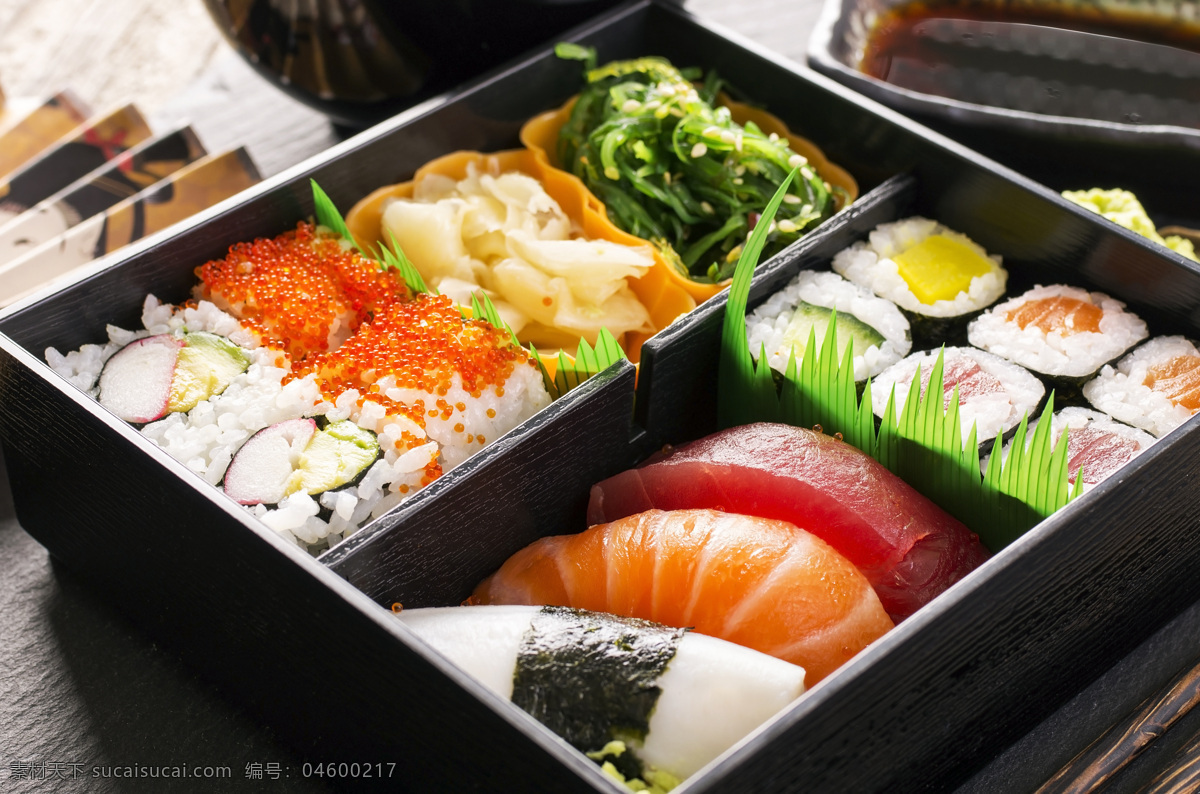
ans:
x=310 y=645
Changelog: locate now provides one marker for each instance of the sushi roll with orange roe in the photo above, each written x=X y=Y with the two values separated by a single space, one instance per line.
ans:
x=1156 y=387
x=1064 y=333
x=303 y=292
x=310 y=385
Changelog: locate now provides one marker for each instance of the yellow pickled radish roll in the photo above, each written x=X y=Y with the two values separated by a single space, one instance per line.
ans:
x=499 y=225
x=924 y=268
x=940 y=267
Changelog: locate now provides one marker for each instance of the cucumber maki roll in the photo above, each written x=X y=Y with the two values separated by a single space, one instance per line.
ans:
x=1155 y=387
x=993 y=394
x=1061 y=332
x=939 y=277
x=782 y=325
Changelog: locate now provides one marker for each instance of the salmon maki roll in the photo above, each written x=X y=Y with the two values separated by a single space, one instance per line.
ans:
x=1156 y=387
x=1060 y=332
x=764 y=584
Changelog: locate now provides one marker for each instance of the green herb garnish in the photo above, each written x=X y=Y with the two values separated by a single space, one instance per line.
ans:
x=673 y=168
x=588 y=361
x=329 y=217
x=395 y=258
x=923 y=445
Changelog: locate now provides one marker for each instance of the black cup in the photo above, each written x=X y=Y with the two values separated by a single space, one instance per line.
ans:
x=359 y=61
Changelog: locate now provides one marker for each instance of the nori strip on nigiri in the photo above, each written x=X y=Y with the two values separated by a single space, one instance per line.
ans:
x=592 y=678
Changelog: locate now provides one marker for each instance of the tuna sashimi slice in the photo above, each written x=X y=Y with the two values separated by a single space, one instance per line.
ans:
x=909 y=548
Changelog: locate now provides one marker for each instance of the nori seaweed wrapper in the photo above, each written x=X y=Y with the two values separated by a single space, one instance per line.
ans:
x=592 y=677
x=933 y=332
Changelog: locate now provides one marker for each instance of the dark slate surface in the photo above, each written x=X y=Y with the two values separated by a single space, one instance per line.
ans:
x=81 y=686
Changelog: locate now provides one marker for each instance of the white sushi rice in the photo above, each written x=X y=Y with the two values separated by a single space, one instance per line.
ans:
x=1074 y=419
x=768 y=324
x=993 y=414
x=1121 y=391
x=869 y=263
x=206 y=438
x=1073 y=355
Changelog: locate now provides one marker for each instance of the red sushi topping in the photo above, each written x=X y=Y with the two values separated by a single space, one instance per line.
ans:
x=1060 y=314
x=965 y=373
x=908 y=547
x=1178 y=380
x=1100 y=452
x=338 y=315
x=421 y=344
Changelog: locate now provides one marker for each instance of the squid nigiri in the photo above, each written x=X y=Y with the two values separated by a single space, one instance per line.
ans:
x=908 y=548
x=674 y=700
x=757 y=582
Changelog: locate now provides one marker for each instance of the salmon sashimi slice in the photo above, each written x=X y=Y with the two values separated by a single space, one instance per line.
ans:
x=761 y=583
x=1177 y=379
x=1059 y=314
x=908 y=548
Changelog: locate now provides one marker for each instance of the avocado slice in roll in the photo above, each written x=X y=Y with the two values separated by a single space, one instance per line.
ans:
x=157 y=375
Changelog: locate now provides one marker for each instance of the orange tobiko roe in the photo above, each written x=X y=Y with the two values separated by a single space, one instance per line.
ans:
x=339 y=316
x=302 y=291
x=421 y=344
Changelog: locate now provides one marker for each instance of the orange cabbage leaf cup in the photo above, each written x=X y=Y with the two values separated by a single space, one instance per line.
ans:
x=540 y=135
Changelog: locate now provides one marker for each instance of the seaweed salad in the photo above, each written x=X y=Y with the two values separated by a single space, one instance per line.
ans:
x=673 y=167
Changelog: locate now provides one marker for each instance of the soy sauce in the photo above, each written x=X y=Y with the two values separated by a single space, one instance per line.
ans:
x=1076 y=60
